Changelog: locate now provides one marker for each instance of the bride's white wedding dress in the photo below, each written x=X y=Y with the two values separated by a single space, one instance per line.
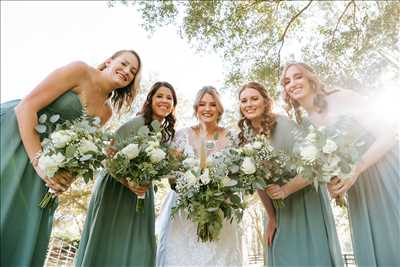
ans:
x=177 y=238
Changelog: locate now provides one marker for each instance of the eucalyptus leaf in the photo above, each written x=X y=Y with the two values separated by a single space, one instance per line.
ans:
x=54 y=118
x=40 y=128
x=43 y=118
x=156 y=126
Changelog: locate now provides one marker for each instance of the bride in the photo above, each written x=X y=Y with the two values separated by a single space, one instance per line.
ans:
x=178 y=244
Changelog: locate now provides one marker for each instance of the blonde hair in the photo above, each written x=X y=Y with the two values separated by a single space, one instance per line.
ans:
x=214 y=93
x=317 y=86
x=123 y=97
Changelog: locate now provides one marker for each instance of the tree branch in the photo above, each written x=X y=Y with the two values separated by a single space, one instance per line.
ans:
x=282 y=38
x=340 y=18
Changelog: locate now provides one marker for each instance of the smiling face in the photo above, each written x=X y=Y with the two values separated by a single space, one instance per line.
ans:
x=207 y=109
x=296 y=84
x=162 y=103
x=122 y=69
x=252 y=103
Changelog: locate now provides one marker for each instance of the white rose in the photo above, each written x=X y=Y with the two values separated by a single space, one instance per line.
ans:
x=205 y=177
x=257 y=145
x=309 y=153
x=50 y=164
x=61 y=138
x=329 y=147
x=226 y=181
x=331 y=166
x=157 y=155
x=87 y=146
x=248 y=148
x=131 y=151
x=248 y=166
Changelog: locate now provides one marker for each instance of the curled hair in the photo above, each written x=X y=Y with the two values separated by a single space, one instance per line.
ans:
x=268 y=120
x=168 y=125
x=319 y=88
x=123 y=97
x=214 y=93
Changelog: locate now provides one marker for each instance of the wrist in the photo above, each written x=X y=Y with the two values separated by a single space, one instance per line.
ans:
x=35 y=159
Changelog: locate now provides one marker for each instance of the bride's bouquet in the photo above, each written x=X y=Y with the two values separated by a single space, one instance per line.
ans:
x=321 y=155
x=257 y=165
x=142 y=159
x=208 y=195
x=72 y=146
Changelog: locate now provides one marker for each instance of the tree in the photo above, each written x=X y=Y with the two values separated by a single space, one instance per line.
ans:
x=349 y=42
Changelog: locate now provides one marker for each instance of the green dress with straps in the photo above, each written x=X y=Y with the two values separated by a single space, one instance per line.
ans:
x=306 y=233
x=114 y=233
x=26 y=228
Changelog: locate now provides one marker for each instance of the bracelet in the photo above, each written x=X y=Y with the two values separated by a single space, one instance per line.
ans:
x=35 y=160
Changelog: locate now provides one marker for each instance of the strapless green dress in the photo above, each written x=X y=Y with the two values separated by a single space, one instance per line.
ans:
x=26 y=228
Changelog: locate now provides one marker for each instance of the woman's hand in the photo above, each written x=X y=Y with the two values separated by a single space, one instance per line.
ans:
x=111 y=150
x=139 y=190
x=59 y=183
x=342 y=186
x=270 y=231
x=275 y=191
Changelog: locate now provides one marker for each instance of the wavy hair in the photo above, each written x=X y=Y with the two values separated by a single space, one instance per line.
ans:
x=123 y=97
x=268 y=120
x=317 y=86
x=168 y=125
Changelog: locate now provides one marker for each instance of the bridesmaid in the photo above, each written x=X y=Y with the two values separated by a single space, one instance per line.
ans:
x=26 y=228
x=114 y=234
x=373 y=191
x=303 y=232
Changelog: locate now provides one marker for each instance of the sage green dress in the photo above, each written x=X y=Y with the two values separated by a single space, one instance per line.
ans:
x=26 y=228
x=114 y=234
x=374 y=205
x=306 y=233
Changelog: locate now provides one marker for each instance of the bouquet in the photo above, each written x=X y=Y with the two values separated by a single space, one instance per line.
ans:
x=208 y=195
x=72 y=146
x=257 y=165
x=142 y=159
x=321 y=155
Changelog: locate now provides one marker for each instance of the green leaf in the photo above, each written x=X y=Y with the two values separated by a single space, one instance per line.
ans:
x=54 y=118
x=40 y=128
x=156 y=126
x=43 y=118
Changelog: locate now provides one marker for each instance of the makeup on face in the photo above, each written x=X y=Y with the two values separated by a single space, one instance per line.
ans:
x=162 y=103
x=207 y=109
x=252 y=103
x=296 y=84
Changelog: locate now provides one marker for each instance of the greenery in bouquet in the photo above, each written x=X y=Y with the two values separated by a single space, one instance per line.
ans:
x=209 y=196
x=319 y=155
x=72 y=146
x=142 y=159
x=257 y=165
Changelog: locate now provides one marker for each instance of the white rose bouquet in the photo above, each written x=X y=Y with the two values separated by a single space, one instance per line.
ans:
x=74 y=147
x=142 y=159
x=208 y=196
x=257 y=165
x=319 y=155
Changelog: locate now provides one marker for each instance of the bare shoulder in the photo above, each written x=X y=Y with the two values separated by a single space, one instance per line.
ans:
x=346 y=96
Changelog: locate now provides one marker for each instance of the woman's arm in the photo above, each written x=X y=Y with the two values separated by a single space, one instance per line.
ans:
x=54 y=85
x=281 y=192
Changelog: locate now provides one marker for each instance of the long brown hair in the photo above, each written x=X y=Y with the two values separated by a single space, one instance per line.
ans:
x=268 y=120
x=292 y=106
x=169 y=121
x=123 y=97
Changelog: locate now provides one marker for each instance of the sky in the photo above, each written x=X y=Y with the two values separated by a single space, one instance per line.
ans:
x=40 y=36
